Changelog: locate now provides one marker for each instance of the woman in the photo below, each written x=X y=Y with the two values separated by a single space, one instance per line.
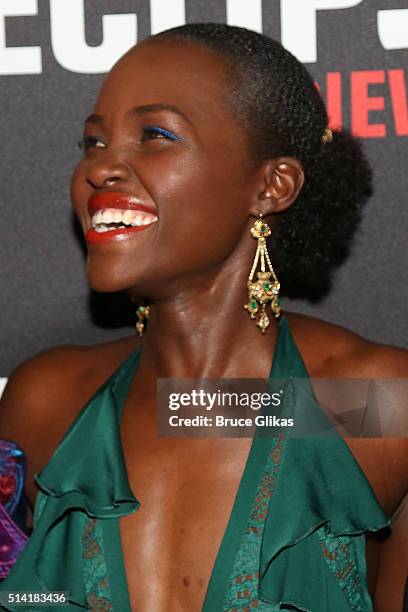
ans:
x=196 y=134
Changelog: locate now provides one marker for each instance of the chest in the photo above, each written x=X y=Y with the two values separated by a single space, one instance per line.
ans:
x=186 y=488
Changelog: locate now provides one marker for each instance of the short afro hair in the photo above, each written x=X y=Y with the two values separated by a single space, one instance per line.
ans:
x=283 y=113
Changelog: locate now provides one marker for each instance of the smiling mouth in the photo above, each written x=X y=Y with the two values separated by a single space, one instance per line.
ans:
x=116 y=216
x=111 y=219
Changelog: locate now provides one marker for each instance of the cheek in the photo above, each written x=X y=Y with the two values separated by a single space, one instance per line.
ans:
x=201 y=204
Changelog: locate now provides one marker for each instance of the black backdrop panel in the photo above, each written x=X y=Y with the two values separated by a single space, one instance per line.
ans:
x=52 y=61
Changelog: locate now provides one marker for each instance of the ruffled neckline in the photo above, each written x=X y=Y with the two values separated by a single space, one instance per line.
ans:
x=68 y=471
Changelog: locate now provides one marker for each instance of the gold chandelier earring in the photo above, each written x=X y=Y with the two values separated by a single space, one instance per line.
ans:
x=266 y=288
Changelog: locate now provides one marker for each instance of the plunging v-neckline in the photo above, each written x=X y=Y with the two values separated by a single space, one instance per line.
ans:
x=241 y=508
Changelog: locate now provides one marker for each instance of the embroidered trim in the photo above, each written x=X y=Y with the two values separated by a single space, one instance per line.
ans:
x=94 y=571
x=340 y=556
x=242 y=591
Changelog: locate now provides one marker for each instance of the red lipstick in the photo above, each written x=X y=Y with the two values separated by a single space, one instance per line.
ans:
x=105 y=209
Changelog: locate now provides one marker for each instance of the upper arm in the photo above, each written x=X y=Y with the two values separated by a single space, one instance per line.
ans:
x=387 y=361
x=33 y=407
x=31 y=389
x=388 y=366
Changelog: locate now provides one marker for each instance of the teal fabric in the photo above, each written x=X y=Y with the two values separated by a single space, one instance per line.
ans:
x=307 y=552
x=294 y=541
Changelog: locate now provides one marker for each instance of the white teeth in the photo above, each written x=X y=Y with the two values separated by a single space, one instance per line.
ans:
x=125 y=218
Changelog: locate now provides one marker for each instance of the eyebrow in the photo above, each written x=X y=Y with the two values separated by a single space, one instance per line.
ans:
x=98 y=119
x=140 y=111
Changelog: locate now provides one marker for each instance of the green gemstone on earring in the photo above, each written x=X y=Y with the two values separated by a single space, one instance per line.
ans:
x=253 y=304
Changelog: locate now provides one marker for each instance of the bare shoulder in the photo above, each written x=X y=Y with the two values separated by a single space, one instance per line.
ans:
x=332 y=351
x=44 y=394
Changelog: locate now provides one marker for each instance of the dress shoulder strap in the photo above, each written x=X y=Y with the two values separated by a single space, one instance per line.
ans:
x=287 y=362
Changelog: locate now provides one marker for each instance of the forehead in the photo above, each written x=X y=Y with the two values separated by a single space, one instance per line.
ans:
x=169 y=72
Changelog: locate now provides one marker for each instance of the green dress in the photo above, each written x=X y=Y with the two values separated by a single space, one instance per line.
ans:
x=295 y=539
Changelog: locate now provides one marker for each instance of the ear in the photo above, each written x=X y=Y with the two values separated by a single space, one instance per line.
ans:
x=280 y=181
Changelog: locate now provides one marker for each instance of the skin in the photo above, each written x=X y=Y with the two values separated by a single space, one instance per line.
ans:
x=193 y=266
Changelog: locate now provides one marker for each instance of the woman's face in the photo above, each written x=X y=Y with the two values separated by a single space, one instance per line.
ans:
x=164 y=153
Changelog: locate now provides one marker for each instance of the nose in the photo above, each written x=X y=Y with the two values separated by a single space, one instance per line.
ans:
x=107 y=171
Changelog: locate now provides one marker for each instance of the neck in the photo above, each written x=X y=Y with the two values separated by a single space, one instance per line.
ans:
x=202 y=330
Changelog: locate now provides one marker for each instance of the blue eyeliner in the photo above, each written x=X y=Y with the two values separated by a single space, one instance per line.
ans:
x=162 y=131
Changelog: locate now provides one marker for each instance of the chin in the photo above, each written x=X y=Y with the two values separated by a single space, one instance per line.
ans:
x=104 y=285
x=112 y=279
x=106 y=280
